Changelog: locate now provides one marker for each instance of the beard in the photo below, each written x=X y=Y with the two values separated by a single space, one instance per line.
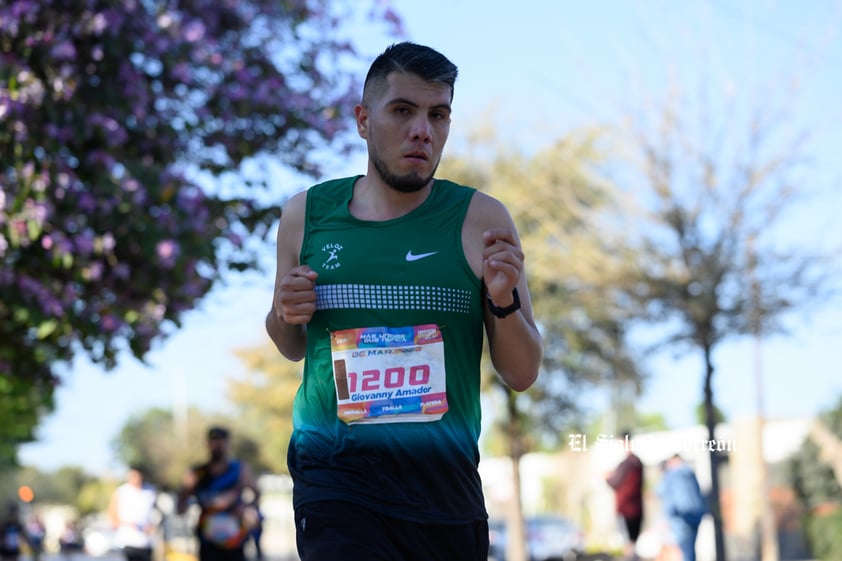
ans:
x=408 y=183
x=217 y=455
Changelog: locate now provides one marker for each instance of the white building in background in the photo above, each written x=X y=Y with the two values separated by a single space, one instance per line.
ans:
x=577 y=477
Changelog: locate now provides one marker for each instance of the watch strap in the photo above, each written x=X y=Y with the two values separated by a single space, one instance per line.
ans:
x=503 y=312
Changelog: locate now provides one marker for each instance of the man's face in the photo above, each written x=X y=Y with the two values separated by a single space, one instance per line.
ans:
x=218 y=448
x=406 y=129
x=134 y=477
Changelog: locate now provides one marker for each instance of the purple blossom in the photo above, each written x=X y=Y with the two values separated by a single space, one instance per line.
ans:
x=63 y=51
x=112 y=102
x=194 y=31
x=167 y=252
x=93 y=272
x=121 y=271
x=111 y=323
x=84 y=242
x=87 y=203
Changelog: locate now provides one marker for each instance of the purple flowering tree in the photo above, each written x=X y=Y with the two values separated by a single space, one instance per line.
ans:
x=118 y=120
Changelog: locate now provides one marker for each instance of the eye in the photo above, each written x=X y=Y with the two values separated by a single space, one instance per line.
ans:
x=440 y=115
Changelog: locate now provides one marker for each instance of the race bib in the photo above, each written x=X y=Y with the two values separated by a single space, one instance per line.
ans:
x=222 y=528
x=389 y=374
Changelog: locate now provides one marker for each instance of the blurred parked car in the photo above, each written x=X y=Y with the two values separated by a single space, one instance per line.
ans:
x=548 y=538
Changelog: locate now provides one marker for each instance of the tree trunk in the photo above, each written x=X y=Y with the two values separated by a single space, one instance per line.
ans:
x=710 y=421
x=515 y=527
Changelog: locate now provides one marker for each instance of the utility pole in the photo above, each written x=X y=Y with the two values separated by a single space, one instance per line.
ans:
x=768 y=529
x=179 y=409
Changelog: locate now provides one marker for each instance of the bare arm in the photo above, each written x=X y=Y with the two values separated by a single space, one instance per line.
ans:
x=493 y=249
x=188 y=487
x=294 y=299
x=616 y=477
x=248 y=481
x=113 y=511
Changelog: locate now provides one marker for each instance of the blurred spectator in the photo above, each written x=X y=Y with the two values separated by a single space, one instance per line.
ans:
x=36 y=533
x=70 y=541
x=227 y=494
x=627 y=482
x=684 y=507
x=133 y=514
x=12 y=533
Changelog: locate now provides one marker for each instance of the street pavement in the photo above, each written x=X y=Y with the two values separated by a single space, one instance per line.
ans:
x=117 y=556
x=80 y=556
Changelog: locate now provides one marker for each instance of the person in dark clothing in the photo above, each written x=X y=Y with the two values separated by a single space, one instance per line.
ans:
x=227 y=494
x=12 y=534
x=627 y=482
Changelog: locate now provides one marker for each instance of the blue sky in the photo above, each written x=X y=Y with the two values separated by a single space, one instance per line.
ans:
x=534 y=70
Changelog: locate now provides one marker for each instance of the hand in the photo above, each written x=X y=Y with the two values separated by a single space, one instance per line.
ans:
x=502 y=264
x=295 y=299
x=224 y=500
x=189 y=481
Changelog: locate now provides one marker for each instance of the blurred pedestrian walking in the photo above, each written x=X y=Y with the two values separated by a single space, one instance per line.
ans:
x=132 y=512
x=627 y=482
x=36 y=532
x=683 y=505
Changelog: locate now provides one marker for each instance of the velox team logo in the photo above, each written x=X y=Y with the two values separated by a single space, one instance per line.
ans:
x=331 y=251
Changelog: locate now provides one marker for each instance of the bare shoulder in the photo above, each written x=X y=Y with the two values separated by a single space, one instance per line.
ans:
x=486 y=212
x=291 y=227
x=295 y=207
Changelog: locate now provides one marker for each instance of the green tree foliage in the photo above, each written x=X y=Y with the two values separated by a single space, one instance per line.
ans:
x=574 y=262
x=820 y=491
x=651 y=422
x=824 y=536
x=264 y=397
x=93 y=497
x=22 y=401
x=701 y=414
x=69 y=485
x=127 y=132
x=61 y=486
x=639 y=423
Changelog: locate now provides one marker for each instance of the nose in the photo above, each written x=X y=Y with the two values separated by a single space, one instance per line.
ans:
x=422 y=129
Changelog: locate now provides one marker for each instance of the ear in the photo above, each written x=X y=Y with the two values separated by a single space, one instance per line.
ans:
x=361 y=114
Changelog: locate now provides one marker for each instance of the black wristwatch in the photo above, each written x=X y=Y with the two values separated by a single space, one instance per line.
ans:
x=503 y=312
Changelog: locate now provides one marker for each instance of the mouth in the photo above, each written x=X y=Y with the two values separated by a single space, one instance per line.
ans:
x=417 y=156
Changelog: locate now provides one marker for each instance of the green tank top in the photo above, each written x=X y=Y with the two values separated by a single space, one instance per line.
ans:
x=393 y=274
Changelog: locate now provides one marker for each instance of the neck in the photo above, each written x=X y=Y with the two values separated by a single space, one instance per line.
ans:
x=374 y=200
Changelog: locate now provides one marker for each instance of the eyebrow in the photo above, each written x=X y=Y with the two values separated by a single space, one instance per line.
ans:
x=412 y=103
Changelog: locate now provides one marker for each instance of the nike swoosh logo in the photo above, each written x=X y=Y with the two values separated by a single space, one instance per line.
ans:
x=413 y=257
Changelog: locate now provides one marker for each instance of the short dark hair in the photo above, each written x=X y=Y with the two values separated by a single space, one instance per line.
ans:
x=411 y=58
x=218 y=432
